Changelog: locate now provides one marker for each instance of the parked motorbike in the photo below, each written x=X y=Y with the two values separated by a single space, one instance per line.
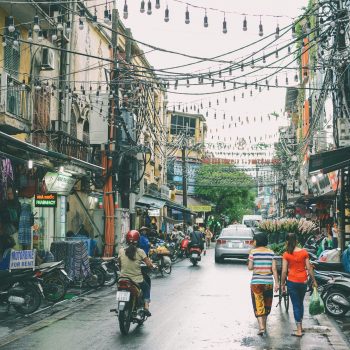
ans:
x=195 y=254
x=98 y=273
x=21 y=289
x=130 y=303
x=336 y=296
x=55 y=280
x=327 y=266
x=162 y=263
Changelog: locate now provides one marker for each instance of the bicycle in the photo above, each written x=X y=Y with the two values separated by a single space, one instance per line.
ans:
x=281 y=295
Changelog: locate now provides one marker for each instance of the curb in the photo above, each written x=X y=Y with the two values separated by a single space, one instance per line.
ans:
x=335 y=336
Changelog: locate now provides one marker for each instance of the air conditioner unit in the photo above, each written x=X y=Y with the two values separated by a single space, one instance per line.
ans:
x=55 y=126
x=47 y=59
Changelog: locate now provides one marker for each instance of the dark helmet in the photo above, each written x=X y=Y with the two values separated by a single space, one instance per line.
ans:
x=132 y=236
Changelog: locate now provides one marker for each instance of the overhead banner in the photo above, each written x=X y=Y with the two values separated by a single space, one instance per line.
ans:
x=200 y=208
x=59 y=183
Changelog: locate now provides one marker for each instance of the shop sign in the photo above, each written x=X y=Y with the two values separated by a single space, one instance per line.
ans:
x=154 y=212
x=22 y=259
x=47 y=200
x=59 y=183
x=200 y=208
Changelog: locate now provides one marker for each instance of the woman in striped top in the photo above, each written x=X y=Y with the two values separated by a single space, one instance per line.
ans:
x=261 y=262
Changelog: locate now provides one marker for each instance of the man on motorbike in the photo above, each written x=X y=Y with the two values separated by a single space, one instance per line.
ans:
x=130 y=260
x=197 y=238
x=144 y=243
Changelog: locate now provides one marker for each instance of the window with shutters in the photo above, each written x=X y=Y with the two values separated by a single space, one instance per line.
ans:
x=12 y=60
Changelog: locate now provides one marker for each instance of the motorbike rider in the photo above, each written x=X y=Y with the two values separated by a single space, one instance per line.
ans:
x=130 y=260
x=197 y=238
x=144 y=242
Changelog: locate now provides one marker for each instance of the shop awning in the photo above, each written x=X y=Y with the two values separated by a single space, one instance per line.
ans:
x=177 y=206
x=326 y=162
x=24 y=146
x=151 y=202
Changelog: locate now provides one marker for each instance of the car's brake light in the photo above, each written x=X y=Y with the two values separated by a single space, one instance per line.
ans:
x=220 y=241
x=249 y=242
x=38 y=274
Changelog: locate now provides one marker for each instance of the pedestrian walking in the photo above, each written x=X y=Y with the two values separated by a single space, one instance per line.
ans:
x=261 y=262
x=208 y=237
x=335 y=236
x=295 y=266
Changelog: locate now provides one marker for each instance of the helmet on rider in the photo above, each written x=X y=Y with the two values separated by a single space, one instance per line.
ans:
x=132 y=237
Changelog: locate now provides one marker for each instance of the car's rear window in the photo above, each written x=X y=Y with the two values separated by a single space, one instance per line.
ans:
x=237 y=233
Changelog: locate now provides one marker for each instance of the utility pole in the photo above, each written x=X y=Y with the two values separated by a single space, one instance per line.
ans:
x=108 y=158
x=184 y=176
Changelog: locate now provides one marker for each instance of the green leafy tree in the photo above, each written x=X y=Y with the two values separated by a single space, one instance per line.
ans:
x=231 y=190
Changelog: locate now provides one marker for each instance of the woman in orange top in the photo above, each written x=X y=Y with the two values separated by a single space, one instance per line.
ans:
x=295 y=264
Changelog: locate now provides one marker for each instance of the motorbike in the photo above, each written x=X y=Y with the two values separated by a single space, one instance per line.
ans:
x=162 y=263
x=21 y=289
x=336 y=296
x=327 y=266
x=130 y=303
x=55 y=280
x=98 y=273
x=195 y=252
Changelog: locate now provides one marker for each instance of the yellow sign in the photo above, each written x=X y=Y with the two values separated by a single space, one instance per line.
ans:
x=200 y=208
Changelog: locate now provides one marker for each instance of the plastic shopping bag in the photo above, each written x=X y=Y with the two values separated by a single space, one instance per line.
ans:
x=316 y=306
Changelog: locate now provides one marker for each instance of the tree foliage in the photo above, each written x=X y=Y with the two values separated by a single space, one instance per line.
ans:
x=231 y=190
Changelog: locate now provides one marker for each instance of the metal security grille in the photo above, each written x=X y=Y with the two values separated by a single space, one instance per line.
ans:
x=12 y=60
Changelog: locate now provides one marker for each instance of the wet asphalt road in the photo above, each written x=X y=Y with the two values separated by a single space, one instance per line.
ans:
x=204 y=307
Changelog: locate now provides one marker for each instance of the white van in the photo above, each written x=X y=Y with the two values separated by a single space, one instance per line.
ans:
x=251 y=220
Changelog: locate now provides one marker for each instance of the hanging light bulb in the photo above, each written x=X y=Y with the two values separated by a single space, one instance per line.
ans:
x=261 y=29
x=277 y=34
x=30 y=36
x=40 y=36
x=59 y=25
x=256 y=85
x=15 y=40
x=246 y=85
x=206 y=24
x=54 y=35
x=36 y=26
x=276 y=53
x=264 y=58
x=157 y=6
x=125 y=11
x=81 y=25
x=187 y=16
x=166 y=15
x=251 y=93
x=294 y=34
x=308 y=27
x=289 y=50
x=4 y=41
x=224 y=26
x=245 y=27
x=69 y=27
x=287 y=82
x=142 y=7
x=149 y=7
x=296 y=78
x=11 y=24
x=176 y=83
x=253 y=63
x=212 y=82
x=276 y=81
x=188 y=83
x=106 y=16
x=82 y=15
x=242 y=67
x=224 y=84
x=242 y=94
x=259 y=88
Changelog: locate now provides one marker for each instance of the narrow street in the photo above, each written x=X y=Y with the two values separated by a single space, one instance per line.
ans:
x=204 y=307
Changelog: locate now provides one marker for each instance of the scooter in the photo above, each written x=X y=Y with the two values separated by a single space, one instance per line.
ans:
x=336 y=296
x=184 y=247
x=130 y=303
x=195 y=254
x=21 y=289
x=55 y=280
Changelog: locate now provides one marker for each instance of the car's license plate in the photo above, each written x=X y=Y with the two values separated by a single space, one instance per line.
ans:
x=194 y=255
x=123 y=296
x=233 y=245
